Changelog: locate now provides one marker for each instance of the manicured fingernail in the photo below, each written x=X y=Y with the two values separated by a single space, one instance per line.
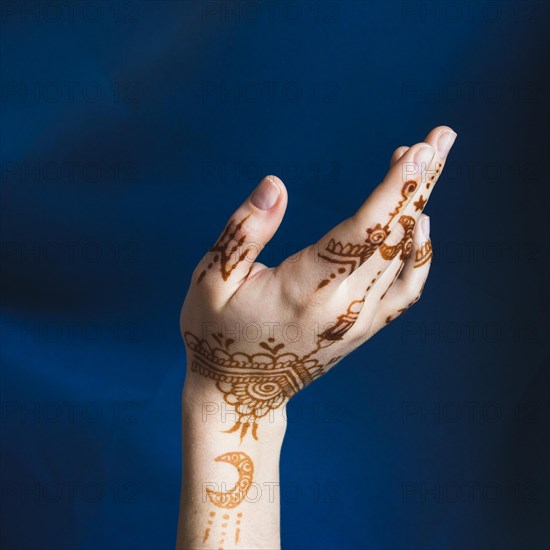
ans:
x=424 y=155
x=265 y=195
x=425 y=226
x=445 y=142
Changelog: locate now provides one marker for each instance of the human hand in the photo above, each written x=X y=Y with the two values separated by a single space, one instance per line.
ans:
x=257 y=335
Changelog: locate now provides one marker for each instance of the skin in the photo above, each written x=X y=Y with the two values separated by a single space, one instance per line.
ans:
x=256 y=335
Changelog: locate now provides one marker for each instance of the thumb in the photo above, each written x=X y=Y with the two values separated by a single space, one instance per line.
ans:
x=250 y=228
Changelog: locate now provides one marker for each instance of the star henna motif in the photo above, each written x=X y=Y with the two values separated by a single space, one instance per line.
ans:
x=420 y=203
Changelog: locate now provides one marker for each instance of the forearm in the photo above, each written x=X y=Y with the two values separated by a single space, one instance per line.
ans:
x=232 y=502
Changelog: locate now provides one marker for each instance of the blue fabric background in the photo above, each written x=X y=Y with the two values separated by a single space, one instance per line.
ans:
x=130 y=131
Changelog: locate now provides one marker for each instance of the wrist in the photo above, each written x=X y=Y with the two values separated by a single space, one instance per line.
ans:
x=208 y=413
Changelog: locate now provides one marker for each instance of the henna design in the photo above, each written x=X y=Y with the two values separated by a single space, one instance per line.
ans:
x=224 y=526
x=223 y=250
x=252 y=384
x=405 y=246
x=432 y=179
x=423 y=254
x=207 y=530
x=406 y=191
x=372 y=283
x=351 y=256
x=227 y=522
x=420 y=203
x=255 y=384
x=343 y=323
x=234 y=496
x=238 y=530
x=390 y=318
x=389 y=252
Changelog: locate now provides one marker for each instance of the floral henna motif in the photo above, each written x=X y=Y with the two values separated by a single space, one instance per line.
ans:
x=350 y=256
x=253 y=384
x=226 y=250
x=423 y=254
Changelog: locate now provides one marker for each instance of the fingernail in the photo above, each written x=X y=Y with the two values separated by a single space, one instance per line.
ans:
x=265 y=195
x=425 y=225
x=445 y=142
x=424 y=155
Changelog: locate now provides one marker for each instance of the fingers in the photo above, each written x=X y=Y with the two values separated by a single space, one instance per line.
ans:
x=389 y=198
x=401 y=293
x=398 y=153
x=392 y=252
x=246 y=233
x=384 y=242
x=350 y=244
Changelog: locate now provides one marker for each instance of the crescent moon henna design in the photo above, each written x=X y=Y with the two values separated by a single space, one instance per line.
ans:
x=234 y=496
x=253 y=384
x=423 y=254
x=226 y=250
x=350 y=256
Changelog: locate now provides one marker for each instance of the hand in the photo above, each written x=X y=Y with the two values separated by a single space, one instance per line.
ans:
x=257 y=335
